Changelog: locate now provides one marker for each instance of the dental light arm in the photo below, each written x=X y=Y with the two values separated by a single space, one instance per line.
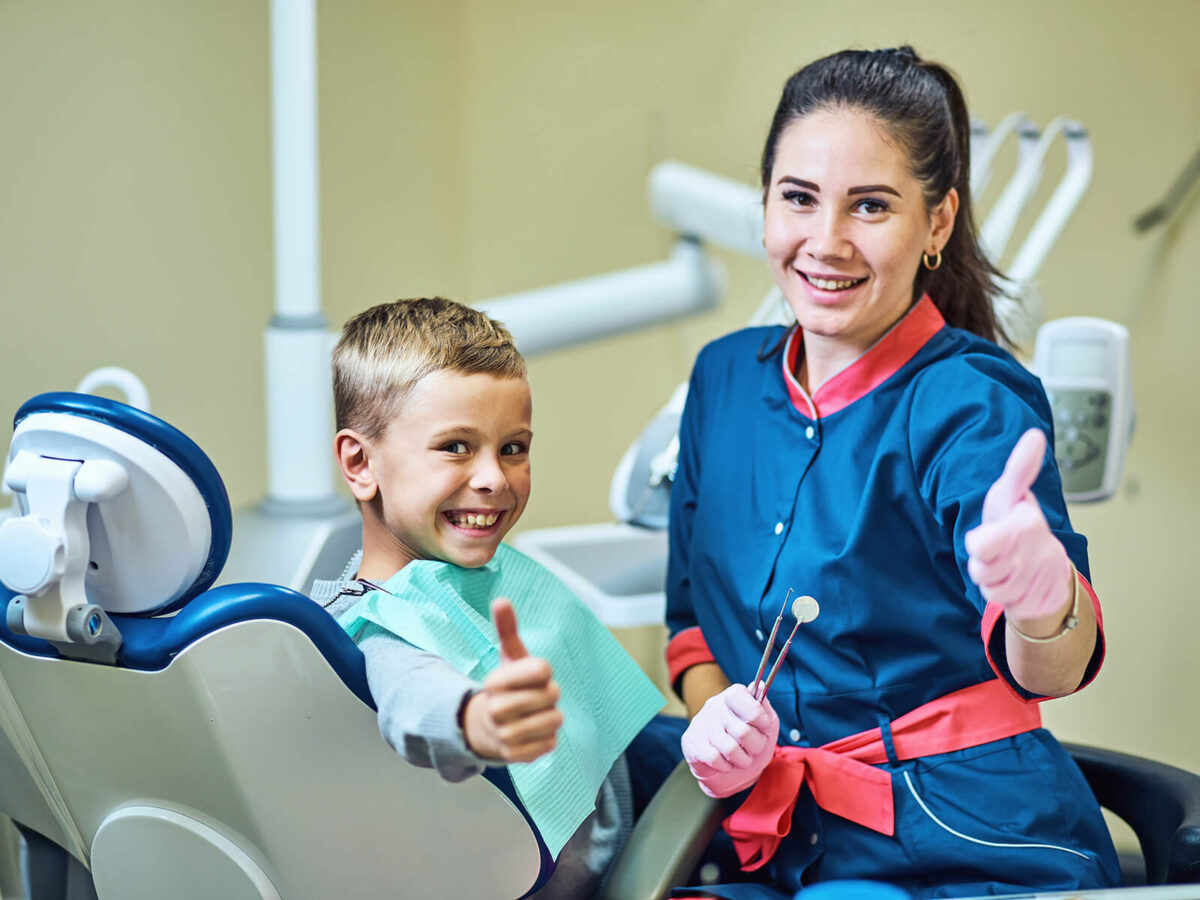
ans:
x=1002 y=220
x=1019 y=307
x=1059 y=208
x=1172 y=199
x=562 y=315
x=699 y=204
x=985 y=148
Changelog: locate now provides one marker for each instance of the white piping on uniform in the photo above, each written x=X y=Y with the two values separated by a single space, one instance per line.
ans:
x=807 y=399
x=791 y=376
x=966 y=837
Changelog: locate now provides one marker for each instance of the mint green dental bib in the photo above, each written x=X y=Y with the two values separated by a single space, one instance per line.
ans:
x=606 y=699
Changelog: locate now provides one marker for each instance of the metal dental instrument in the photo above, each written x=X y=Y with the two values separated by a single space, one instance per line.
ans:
x=762 y=665
x=805 y=609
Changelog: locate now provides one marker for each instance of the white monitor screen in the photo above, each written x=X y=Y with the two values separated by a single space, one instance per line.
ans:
x=1077 y=357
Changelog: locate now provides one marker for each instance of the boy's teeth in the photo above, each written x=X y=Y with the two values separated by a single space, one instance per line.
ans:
x=470 y=520
x=827 y=285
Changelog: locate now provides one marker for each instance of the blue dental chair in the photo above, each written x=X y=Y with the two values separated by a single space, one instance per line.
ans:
x=191 y=742
x=186 y=741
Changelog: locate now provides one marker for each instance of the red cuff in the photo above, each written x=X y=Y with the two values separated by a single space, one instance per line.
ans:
x=993 y=613
x=1098 y=654
x=688 y=648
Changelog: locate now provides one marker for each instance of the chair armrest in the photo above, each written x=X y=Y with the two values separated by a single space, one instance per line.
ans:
x=667 y=840
x=1160 y=802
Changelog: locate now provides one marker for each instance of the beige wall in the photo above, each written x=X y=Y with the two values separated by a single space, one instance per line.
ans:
x=480 y=147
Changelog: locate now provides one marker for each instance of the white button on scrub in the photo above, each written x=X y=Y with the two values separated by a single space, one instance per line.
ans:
x=813 y=838
x=809 y=432
x=779 y=528
x=794 y=734
x=758 y=633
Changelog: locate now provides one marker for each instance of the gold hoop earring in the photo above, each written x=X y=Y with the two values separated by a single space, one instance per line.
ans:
x=934 y=264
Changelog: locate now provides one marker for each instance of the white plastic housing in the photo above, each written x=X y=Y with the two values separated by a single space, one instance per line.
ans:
x=1082 y=355
x=149 y=541
x=150 y=852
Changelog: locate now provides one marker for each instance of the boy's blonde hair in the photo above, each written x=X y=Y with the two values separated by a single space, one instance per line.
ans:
x=384 y=351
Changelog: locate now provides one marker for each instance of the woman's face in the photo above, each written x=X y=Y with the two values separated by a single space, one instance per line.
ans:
x=845 y=226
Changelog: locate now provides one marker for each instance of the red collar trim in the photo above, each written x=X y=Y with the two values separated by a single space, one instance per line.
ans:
x=881 y=361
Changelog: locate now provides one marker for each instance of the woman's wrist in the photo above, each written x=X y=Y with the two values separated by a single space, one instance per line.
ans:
x=1051 y=626
x=700 y=682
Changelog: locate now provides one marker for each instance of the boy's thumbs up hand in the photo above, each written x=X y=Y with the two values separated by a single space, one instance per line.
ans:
x=504 y=617
x=1013 y=556
x=515 y=717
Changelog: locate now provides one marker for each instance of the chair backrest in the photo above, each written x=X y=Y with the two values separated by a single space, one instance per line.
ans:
x=1159 y=802
x=232 y=750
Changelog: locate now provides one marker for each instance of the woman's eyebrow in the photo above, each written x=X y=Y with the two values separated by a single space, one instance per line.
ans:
x=873 y=189
x=788 y=179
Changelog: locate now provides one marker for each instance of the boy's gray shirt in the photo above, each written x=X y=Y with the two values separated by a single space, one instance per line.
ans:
x=419 y=697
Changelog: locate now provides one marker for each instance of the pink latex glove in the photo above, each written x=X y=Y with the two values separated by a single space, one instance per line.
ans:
x=1014 y=558
x=730 y=741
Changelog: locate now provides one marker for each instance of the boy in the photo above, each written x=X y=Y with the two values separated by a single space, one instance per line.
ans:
x=433 y=416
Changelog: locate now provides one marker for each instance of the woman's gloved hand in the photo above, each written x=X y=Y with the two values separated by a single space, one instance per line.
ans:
x=730 y=741
x=1014 y=558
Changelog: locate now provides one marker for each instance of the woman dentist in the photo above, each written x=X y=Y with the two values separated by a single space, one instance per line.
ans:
x=887 y=457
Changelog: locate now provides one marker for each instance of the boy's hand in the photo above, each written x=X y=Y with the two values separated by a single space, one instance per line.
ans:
x=515 y=717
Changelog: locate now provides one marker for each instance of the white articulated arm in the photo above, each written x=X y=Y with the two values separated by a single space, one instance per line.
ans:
x=698 y=204
x=1002 y=219
x=985 y=150
x=562 y=315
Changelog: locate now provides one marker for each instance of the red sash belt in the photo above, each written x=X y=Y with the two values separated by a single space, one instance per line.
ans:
x=842 y=774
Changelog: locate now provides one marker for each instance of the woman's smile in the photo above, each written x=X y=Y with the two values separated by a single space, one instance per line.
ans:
x=826 y=284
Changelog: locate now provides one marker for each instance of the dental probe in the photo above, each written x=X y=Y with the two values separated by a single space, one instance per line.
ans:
x=805 y=609
x=762 y=665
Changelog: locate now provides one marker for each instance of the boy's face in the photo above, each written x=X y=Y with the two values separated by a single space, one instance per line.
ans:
x=453 y=467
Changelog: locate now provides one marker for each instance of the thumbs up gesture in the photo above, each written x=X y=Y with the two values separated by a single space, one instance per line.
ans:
x=1013 y=556
x=515 y=717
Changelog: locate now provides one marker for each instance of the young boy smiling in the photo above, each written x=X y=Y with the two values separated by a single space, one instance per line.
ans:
x=434 y=428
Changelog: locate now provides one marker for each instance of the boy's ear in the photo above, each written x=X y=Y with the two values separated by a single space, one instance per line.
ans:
x=353 y=459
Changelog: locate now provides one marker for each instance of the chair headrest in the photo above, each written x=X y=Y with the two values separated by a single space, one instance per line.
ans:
x=161 y=539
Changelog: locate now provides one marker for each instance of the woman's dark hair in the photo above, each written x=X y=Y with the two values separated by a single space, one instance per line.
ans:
x=921 y=107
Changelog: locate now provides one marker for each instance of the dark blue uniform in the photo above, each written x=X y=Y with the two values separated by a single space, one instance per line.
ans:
x=861 y=497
